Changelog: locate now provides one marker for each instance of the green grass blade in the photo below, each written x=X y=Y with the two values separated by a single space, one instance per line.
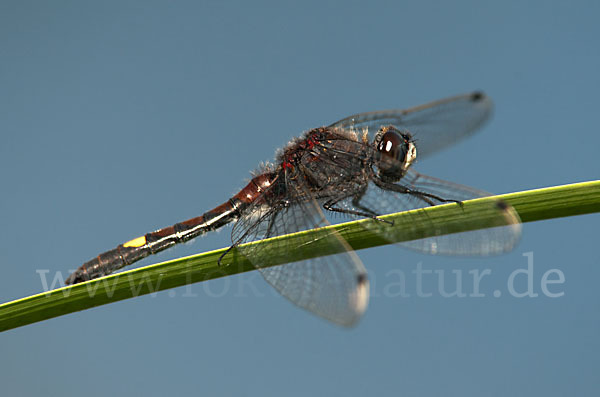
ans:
x=532 y=205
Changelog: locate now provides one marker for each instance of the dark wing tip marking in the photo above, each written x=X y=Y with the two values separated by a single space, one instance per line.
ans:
x=477 y=96
x=361 y=279
x=502 y=205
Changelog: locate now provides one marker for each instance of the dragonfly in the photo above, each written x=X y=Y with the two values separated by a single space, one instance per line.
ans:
x=358 y=167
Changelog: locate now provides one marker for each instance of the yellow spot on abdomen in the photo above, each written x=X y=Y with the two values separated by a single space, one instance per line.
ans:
x=136 y=242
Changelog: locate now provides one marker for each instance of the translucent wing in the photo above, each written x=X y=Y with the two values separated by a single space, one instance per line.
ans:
x=500 y=234
x=334 y=287
x=434 y=125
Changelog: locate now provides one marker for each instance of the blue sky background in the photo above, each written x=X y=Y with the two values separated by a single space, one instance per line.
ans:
x=120 y=117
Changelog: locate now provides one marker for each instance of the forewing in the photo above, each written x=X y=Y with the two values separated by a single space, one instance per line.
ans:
x=334 y=287
x=434 y=125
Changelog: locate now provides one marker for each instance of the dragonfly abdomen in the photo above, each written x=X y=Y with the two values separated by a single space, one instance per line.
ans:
x=159 y=240
x=151 y=243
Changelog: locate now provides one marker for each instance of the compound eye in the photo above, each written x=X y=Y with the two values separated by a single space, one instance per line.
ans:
x=398 y=152
x=393 y=144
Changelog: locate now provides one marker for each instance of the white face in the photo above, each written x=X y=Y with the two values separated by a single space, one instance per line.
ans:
x=411 y=156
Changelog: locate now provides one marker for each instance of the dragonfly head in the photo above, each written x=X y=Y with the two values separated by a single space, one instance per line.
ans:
x=397 y=152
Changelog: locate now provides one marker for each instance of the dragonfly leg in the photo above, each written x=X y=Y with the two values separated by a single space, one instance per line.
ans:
x=219 y=262
x=426 y=197
x=365 y=213
x=356 y=202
